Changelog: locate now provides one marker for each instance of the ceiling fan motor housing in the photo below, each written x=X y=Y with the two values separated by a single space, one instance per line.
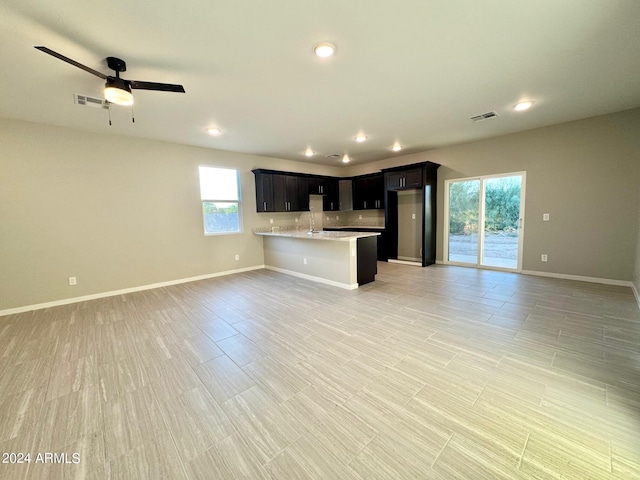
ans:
x=116 y=64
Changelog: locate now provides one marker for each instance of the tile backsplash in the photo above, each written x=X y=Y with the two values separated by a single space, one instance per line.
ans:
x=356 y=218
x=300 y=220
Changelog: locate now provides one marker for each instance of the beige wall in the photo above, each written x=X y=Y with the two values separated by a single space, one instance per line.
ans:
x=116 y=212
x=409 y=228
x=636 y=274
x=585 y=174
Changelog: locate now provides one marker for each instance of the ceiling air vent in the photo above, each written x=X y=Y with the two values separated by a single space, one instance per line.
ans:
x=333 y=155
x=484 y=116
x=87 y=101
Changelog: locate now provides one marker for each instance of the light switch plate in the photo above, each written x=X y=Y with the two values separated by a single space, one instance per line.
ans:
x=545 y=217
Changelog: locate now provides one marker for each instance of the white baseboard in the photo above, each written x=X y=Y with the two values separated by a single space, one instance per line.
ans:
x=410 y=259
x=405 y=262
x=67 y=301
x=635 y=293
x=580 y=278
x=345 y=286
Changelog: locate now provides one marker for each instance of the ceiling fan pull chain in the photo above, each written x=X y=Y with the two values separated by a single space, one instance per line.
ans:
x=133 y=119
x=109 y=110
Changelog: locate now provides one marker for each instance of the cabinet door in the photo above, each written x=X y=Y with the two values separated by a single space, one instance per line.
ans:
x=394 y=180
x=302 y=201
x=360 y=188
x=279 y=193
x=331 y=201
x=264 y=192
x=314 y=186
x=376 y=191
x=413 y=178
x=291 y=194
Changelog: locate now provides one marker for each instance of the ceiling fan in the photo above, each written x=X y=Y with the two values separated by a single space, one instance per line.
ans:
x=117 y=90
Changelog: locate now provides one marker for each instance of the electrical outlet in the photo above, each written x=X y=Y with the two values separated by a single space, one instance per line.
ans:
x=359 y=217
x=73 y=281
x=237 y=257
x=296 y=220
x=545 y=217
x=271 y=221
x=413 y=216
x=304 y=261
x=543 y=257
x=337 y=217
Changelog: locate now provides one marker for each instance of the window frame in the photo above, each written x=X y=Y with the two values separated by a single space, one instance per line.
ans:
x=237 y=201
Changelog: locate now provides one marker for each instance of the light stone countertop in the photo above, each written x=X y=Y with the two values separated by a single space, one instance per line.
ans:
x=322 y=235
x=349 y=227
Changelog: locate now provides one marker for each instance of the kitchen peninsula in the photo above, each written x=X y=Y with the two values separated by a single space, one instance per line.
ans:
x=342 y=259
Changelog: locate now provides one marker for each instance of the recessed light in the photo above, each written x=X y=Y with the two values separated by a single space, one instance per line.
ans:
x=361 y=138
x=345 y=158
x=523 y=106
x=309 y=152
x=397 y=147
x=324 y=49
x=214 y=131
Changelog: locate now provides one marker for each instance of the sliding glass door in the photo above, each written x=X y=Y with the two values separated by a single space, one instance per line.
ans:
x=485 y=219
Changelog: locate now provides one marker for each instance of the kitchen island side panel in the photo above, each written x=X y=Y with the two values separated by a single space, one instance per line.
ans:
x=334 y=261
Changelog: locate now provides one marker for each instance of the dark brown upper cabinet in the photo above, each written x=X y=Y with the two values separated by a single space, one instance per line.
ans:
x=280 y=192
x=404 y=178
x=368 y=192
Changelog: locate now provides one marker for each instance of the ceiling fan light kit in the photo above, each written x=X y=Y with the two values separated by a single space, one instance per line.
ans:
x=117 y=91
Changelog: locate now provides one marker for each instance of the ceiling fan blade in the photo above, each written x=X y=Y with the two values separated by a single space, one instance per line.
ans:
x=72 y=62
x=163 y=87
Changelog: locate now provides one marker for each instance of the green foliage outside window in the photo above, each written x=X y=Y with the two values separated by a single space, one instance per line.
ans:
x=502 y=206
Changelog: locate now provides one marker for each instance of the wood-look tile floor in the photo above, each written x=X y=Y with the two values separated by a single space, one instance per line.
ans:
x=440 y=372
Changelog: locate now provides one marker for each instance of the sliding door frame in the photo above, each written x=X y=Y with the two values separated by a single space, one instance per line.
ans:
x=481 y=220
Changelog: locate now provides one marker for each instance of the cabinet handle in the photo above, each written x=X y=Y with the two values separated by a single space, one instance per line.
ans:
x=365 y=204
x=264 y=205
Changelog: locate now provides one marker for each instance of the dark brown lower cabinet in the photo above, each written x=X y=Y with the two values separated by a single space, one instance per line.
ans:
x=367 y=259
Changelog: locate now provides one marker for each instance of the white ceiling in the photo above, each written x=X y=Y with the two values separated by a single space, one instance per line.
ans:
x=411 y=71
